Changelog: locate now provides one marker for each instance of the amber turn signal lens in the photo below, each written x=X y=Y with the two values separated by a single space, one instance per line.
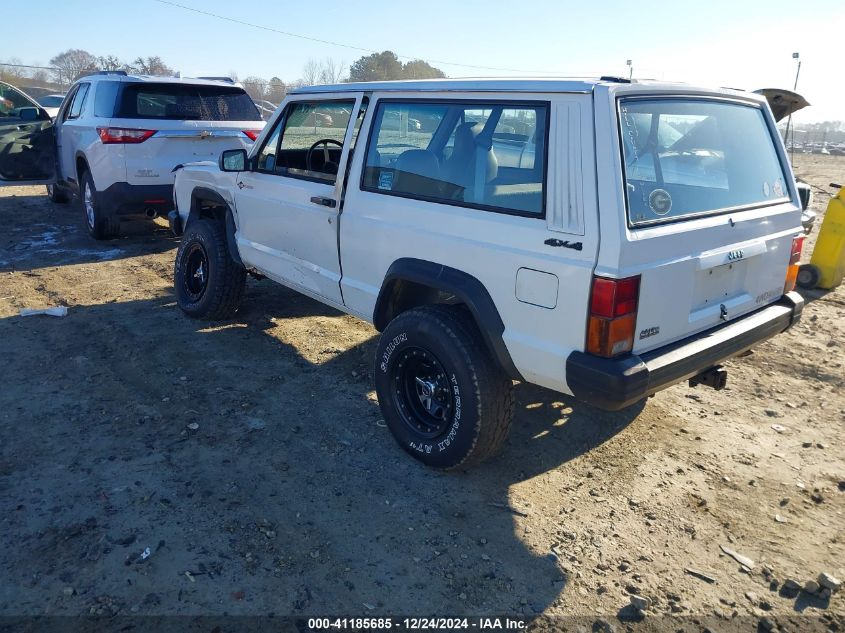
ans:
x=794 y=264
x=611 y=337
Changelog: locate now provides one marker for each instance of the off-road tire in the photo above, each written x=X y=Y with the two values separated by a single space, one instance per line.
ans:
x=482 y=394
x=102 y=223
x=226 y=279
x=58 y=194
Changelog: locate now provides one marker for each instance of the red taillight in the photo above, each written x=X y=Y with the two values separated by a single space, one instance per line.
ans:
x=613 y=315
x=252 y=134
x=114 y=135
x=794 y=264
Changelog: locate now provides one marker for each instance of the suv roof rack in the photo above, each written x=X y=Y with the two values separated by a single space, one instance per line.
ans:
x=227 y=80
x=122 y=73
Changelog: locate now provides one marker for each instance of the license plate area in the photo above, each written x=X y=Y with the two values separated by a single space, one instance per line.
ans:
x=719 y=284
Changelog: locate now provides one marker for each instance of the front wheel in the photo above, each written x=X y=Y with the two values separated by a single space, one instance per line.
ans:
x=209 y=284
x=445 y=399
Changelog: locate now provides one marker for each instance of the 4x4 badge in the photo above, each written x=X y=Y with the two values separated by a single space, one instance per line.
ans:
x=723 y=312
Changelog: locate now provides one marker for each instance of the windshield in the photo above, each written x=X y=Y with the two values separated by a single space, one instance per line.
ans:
x=687 y=157
x=186 y=102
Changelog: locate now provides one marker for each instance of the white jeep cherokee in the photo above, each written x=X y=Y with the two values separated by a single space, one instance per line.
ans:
x=604 y=239
x=117 y=139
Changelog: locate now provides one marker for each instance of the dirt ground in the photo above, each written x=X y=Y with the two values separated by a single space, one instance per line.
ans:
x=251 y=459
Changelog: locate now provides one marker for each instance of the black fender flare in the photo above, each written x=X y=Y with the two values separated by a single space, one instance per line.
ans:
x=463 y=286
x=209 y=195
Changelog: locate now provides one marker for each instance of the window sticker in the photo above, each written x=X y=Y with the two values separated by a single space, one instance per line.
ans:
x=385 y=180
x=660 y=201
x=766 y=189
x=778 y=188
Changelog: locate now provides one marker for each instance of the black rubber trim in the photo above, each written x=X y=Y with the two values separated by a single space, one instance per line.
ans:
x=175 y=222
x=613 y=384
x=209 y=195
x=466 y=289
x=126 y=199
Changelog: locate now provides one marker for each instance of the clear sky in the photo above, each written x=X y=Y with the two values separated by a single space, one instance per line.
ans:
x=745 y=44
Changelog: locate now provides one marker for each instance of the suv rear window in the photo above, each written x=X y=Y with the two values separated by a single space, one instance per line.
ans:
x=690 y=157
x=186 y=102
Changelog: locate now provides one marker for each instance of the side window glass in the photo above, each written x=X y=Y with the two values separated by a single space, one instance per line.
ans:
x=312 y=139
x=11 y=102
x=78 y=102
x=68 y=103
x=267 y=154
x=488 y=156
x=105 y=99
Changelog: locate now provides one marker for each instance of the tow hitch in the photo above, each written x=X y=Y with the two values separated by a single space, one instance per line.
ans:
x=717 y=378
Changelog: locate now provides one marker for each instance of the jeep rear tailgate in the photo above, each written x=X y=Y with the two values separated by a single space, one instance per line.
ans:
x=710 y=213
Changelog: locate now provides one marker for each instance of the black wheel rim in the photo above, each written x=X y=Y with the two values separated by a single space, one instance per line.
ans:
x=422 y=393
x=196 y=271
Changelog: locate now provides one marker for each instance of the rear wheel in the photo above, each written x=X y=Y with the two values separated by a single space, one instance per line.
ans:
x=445 y=399
x=808 y=276
x=209 y=284
x=102 y=224
x=58 y=194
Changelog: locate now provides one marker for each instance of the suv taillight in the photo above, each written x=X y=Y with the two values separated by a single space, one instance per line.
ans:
x=613 y=316
x=252 y=134
x=794 y=264
x=113 y=135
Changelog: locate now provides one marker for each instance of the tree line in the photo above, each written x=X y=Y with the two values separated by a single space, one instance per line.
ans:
x=68 y=66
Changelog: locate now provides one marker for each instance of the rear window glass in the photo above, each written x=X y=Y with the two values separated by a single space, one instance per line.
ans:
x=186 y=102
x=687 y=157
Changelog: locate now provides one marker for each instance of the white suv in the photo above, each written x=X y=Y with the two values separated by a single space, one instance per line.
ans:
x=117 y=139
x=604 y=239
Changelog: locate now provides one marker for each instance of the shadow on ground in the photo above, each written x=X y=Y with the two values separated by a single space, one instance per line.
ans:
x=262 y=482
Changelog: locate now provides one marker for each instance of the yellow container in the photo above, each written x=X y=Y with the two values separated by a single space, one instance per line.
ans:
x=829 y=254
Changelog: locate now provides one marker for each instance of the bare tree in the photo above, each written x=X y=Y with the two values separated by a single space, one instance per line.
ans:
x=331 y=72
x=255 y=87
x=310 y=72
x=72 y=64
x=110 y=62
x=152 y=66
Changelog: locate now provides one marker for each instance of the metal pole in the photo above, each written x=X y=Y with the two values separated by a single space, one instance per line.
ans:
x=789 y=120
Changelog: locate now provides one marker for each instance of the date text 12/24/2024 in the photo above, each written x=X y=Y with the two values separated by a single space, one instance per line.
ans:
x=417 y=624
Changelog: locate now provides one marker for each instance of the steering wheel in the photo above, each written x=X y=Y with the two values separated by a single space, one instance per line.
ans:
x=325 y=142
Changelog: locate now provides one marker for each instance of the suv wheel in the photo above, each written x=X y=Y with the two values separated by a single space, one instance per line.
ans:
x=57 y=194
x=209 y=283
x=445 y=399
x=101 y=223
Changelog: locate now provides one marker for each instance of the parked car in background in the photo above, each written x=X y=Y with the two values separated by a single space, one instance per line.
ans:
x=117 y=139
x=51 y=104
x=603 y=238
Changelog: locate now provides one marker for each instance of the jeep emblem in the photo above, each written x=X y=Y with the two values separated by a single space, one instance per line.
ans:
x=735 y=255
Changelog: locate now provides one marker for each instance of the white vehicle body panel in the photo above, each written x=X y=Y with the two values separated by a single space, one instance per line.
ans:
x=689 y=269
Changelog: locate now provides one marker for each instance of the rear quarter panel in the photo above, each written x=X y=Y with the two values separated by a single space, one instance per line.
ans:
x=378 y=229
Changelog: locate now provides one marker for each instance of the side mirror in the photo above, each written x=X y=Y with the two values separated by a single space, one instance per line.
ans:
x=233 y=160
x=29 y=114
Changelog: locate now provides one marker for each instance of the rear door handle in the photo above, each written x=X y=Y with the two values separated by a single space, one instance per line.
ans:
x=331 y=203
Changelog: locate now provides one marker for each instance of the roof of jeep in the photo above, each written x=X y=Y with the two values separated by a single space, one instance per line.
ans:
x=512 y=84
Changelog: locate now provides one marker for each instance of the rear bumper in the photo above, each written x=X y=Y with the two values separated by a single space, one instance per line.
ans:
x=125 y=199
x=617 y=383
